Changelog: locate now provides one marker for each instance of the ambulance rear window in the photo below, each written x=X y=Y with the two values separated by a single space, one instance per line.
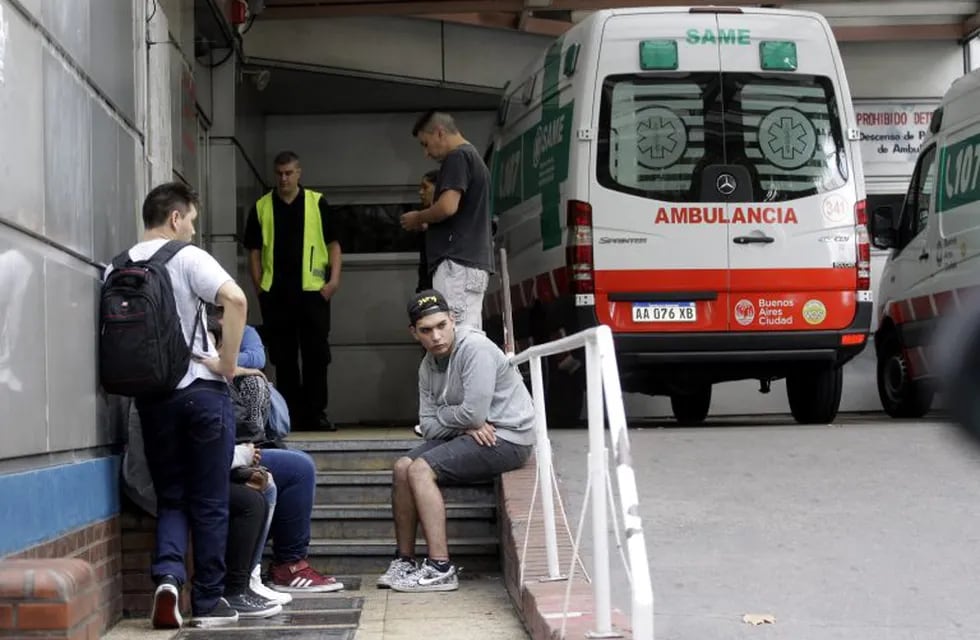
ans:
x=659 y=131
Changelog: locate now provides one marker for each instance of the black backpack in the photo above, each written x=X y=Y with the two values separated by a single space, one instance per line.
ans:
x=142 y=350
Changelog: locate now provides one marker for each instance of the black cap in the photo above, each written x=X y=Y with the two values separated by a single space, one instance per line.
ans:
x=424 y=303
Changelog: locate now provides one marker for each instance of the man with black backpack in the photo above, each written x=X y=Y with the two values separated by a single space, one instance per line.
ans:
x=154 y=347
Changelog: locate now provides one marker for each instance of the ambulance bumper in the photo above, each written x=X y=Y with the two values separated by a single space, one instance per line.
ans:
x=748 y=347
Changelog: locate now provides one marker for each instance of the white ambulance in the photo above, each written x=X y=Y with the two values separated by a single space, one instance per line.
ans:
x=934 y=264
x=690 y=177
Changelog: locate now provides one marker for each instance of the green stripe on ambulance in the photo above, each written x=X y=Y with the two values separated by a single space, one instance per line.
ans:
x=959 y=174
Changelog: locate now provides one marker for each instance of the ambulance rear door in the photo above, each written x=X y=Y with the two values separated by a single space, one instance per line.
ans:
x=791 y=234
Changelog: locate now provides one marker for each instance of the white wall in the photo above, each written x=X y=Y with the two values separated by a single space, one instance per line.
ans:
x=72 y=174
x=923 y=69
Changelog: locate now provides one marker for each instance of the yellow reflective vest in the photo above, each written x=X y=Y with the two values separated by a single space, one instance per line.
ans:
x=315 y=257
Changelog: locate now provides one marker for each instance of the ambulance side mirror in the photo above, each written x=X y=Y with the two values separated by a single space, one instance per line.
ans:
x=882 y=228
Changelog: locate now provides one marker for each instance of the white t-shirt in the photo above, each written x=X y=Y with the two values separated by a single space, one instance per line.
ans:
x=195 y=276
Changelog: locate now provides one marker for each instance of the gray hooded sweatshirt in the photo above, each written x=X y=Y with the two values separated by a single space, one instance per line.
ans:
x=475 y=384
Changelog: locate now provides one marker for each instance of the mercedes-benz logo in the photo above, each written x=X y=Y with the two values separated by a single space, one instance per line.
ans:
x=726 y=184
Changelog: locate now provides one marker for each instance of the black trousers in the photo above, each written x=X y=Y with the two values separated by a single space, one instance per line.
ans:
x=247 y=515
x=296 y=329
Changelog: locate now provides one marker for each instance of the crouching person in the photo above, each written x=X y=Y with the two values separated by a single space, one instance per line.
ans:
x=477 y=419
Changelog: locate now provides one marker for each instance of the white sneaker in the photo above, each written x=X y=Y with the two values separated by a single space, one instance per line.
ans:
x=255 y=584
x=417 y=429
x=427 y=578
x=397 y=570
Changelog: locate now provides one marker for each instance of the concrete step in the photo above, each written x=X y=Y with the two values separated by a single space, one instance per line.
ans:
x=374 y=521
x=372 y=555
x=352 y=526
x=354 y=455
x=336 y=488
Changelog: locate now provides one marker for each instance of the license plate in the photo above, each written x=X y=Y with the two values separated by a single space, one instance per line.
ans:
x=665 y=312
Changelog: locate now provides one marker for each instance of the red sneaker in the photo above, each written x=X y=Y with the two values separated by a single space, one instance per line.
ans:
x=300 y=577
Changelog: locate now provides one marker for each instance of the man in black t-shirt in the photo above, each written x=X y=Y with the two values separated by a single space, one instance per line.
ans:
x=458 y=242
x=295 y=263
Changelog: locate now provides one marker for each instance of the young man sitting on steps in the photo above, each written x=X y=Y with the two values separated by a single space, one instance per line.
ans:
x=477 y=419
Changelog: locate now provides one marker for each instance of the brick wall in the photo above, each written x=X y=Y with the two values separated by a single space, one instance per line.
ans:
x=74 y=579
x=138 y=540
x=138 y=530
x=541 y=604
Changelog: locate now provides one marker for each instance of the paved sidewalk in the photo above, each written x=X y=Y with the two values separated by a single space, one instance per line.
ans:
x=479 y=610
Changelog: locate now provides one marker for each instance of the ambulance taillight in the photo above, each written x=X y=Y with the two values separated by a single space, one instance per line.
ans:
x=863 y=246
x=578 y=249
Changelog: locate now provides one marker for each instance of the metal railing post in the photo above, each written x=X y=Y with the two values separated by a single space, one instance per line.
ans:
x=543 y=453
x=510 y=342
x=641 y=614
x=597 y=477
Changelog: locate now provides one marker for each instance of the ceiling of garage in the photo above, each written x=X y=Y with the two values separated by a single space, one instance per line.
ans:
x=852 y=20
x=294 y=90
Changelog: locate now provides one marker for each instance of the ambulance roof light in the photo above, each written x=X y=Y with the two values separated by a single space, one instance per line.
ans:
x=658 y=55
x=778 y=55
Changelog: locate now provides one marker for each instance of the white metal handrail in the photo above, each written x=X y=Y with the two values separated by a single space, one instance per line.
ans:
x=604 y=396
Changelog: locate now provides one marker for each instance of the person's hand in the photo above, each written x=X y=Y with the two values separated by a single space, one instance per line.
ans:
x=412 y=221
x=485 y=435
x=256 y=455
x=245 y=371
x=214 y=366
x=329 y=289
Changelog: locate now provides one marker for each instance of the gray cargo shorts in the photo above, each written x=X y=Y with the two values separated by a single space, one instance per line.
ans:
x=463 y=460
x=463 y=288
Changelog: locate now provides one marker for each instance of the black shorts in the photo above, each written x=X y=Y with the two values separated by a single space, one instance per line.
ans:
x=463 y=460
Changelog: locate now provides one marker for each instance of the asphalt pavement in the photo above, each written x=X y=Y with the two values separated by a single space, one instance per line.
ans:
x=866 y=529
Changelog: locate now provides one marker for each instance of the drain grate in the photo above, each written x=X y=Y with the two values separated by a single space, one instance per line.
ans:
x=330 y=617
x=263 y=634
x=323 y=604
x=304 y=619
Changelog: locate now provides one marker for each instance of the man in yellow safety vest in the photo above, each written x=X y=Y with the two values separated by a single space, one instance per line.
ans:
x=295 y=259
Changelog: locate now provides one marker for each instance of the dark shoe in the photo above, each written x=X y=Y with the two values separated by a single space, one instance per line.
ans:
x=324 y=424
x=166 y=604
x=222 y=614
x=249 y=605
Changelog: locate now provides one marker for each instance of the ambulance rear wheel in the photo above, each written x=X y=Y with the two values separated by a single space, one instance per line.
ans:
x=901 y=396
x=814 y=394
x=691 y=408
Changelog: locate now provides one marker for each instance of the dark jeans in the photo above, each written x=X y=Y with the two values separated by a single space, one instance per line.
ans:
x=246 y=522
x=295 y=477
x=189 y=439
x=299 y=325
